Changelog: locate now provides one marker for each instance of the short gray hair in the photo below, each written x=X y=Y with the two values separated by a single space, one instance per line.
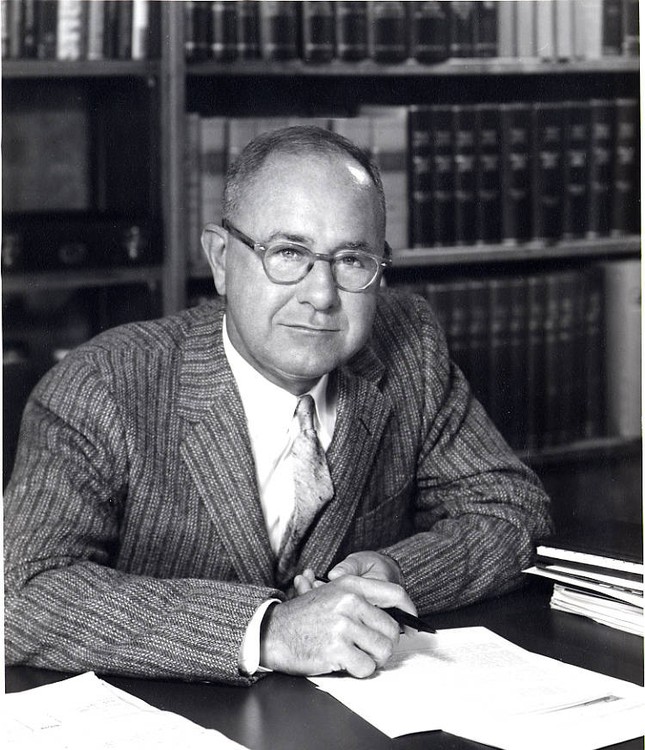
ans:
x=298 y=139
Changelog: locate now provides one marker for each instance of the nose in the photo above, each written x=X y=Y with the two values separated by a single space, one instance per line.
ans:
x=318 y=288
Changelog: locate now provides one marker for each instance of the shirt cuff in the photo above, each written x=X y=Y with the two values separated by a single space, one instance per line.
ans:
x=249 y=658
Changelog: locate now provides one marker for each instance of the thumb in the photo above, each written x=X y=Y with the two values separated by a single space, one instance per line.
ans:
x=347 y=567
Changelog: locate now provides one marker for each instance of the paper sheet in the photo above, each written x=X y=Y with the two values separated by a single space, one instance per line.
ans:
x=473 y=683
x=84 y=711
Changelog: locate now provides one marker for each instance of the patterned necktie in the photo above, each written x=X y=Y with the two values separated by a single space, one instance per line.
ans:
x=312 y=488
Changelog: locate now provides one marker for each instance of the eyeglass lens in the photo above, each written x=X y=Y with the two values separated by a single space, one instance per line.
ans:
x=290 y=263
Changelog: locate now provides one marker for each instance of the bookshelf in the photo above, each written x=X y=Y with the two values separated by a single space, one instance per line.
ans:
x=168 y=88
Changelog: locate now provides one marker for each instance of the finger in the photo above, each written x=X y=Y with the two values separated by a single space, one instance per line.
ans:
x=344 y=568
x=381 y=593
x=372 y=642
x=301 y=585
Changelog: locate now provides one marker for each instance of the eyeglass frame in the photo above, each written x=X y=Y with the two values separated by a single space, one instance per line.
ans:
x=261 y=250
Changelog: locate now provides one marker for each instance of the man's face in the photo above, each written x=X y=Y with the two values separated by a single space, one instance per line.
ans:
x=295 y=334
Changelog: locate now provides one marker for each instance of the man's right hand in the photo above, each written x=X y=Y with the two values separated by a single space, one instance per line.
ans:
x=339 y=626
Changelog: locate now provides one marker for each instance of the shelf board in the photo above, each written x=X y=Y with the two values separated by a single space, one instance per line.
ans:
x=79 y=278
x=14 y=69
x=476 y=254
x=494 y=66
x=585 y=450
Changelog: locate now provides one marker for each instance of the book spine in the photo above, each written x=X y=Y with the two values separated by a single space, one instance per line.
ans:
x=499 y=358
x=576 y=169
x=124 y=29
x=587 y=29
x=47 y=26
x=462 y=28
x=154 y=30
x=15 y=11
x=626 y=184
x=547 y=437
x=486 y=29
x=223 y=31
x=517 y=388
x=525 y=29
x=612 y=27
x=4 y=27
x=601 y=155
x=389 y=151
x=567 y=373
x=95 y=30
x=593 y=360
x=351 y=30
x=388 y=27
x=622 y=291
x=443 y=176
x=465 y=174
x=457 y=323
x=548 y=172
x=630 y=46
x=69 y=30
x=279 y=29
x=29 y=43
x=488 y=208
x=420 y=145
x=140 y=29
x=248 y=29
x=212 y=161
x=506 y=37
x=197 y=19
x=564 y=29
x=516 y=173
x=111 y=31
x=317 y=31
x=429 y=31
x=545 y=29
x=535 y=362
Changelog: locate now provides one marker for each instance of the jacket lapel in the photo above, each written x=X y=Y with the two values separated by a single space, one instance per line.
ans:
x=217 y=450
x=363 y=413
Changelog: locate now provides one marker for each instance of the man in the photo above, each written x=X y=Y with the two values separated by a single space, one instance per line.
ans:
x=158 y=522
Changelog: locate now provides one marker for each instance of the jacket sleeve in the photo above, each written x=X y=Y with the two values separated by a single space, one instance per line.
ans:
x=68 y=606
x=478 y=509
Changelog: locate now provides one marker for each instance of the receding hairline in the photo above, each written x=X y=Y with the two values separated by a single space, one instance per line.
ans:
x=297 y=141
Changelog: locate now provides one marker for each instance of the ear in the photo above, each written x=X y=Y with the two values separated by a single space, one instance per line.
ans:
x=214 y=241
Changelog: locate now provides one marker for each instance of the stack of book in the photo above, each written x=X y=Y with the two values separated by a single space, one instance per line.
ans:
x=601 y=581
x=409 y=32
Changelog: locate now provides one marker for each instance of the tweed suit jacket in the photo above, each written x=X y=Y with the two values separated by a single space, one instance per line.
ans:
x=134 y=538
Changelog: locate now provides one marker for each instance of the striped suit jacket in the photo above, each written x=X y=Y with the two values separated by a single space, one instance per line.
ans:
x=134 y=538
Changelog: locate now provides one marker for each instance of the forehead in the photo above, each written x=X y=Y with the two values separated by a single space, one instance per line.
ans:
x=298 y=183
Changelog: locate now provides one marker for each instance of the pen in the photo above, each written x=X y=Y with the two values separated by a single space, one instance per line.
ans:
x=403 y=618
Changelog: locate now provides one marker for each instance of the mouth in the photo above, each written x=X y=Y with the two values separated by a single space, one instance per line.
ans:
x=311 y=329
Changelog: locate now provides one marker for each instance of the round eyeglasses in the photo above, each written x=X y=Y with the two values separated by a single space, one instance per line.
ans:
x=288 y=262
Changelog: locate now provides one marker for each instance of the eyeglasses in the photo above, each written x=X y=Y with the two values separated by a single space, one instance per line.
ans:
x=288 y=263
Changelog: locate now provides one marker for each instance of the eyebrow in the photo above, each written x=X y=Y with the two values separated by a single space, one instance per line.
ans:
x=307 y=242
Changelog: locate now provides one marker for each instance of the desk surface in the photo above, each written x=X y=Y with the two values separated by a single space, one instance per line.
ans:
x=285 y=713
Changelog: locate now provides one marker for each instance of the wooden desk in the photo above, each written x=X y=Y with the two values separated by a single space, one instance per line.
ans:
x=288 y=713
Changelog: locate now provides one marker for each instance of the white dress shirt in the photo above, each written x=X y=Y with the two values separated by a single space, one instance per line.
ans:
x=272 y=427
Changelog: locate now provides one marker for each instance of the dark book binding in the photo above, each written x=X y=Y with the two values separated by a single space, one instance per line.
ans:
x=465 y=174
x=279 y=29
x=601 y=163
x=443 y=176
x=626 y=183
x=612 y=27
x=197 y=21
x=535 y=359
x=317 y=31
x=592 y=356
x=548 y=171
x=46 y=29
x=476 y=364
x=388 y=24
x=516 y=172
x=485 y=29
x=576 y=169
x=223 y=30
x=351 y=30
x=488 y=206
x=462 y=28
x=429 y=31
x=29 y=29
x=248 y=29
x=630 y=36
x=420 y=139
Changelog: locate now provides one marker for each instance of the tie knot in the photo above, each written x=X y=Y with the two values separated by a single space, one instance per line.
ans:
x=305 y=412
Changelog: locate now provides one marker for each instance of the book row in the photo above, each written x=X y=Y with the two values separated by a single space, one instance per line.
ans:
x=463 y=174
x=80 y=29
x=535 y=350
x=398 y=32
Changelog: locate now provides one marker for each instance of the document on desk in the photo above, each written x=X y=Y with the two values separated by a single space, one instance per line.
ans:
x=476 y=684
x=85 y=711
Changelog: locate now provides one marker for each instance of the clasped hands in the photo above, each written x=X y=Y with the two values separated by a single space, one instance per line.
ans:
x=340 y=625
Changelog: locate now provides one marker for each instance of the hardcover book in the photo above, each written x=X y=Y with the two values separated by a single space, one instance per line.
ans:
x=317 y=31
x=351 y=30
x=388 y=27
x=430 y=31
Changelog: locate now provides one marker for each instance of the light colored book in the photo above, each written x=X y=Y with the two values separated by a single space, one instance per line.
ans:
x=70 y=29
x=564 y=29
